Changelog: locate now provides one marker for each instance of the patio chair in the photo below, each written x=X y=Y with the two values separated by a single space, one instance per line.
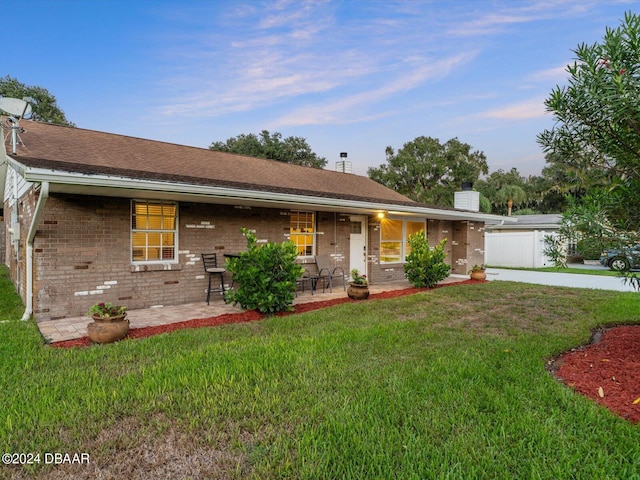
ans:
x=326 y=274
x=310 y=276
x=210 y=262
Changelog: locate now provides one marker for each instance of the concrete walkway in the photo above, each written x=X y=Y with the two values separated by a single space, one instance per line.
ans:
x=558 y=279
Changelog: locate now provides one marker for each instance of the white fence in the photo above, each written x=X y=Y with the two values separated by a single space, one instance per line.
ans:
x=516 y=249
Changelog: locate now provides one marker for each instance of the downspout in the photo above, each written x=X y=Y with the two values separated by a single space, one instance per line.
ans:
x=42 y=199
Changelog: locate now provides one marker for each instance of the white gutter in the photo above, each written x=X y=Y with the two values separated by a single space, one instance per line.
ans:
x=3 y=163
x=42 y=199
x=203 y=191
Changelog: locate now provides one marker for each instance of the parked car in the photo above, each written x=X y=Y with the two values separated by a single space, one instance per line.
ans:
x=627 y=258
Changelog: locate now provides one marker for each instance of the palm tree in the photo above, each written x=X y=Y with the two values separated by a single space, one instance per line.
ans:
x=511 y=194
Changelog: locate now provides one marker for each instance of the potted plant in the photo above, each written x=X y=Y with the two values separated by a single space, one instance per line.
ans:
x=109 y=324
x=477 y=272
x=358 y=288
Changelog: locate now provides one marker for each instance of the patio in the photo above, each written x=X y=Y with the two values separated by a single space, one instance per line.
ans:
x=73 y=328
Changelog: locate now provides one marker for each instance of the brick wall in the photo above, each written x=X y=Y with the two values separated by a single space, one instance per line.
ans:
x=333 y=238
x=82 y=251
x=464 y=248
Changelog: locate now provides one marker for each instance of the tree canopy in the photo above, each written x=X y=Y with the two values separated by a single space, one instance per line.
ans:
x=294 y=150
x=45 y=107
x=597 y=136
x=430 y=172
x=596 y=140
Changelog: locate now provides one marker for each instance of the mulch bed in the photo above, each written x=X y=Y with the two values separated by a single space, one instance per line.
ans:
x=250 y=315
x=607 y=370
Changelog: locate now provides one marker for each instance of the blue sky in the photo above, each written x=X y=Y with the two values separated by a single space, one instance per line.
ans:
x=349 y=76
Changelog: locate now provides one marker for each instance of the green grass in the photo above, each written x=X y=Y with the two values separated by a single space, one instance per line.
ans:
x=581 y=271
x=446 y=384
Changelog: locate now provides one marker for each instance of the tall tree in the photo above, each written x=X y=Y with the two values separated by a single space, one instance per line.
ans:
x=598 y=118
x=598 y=127
x=430 y=172
x=45 y=107
x=294 y=150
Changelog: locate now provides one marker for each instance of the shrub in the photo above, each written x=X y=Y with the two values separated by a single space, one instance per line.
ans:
x=266 y=276
x=425 y=266
x=591 y=248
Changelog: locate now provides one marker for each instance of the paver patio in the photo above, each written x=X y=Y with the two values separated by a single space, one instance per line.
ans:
x=73 y=328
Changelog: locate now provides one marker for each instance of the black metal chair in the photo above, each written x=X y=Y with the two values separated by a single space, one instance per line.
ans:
x=326 y=274
x=210 y=262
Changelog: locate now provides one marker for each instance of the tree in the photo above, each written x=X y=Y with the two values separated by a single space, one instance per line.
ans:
x=598 y=119
x=293 y=150
x=598 y=129
x=511 y=195
x=45 y=107
x=503 y=188
x=427 y=171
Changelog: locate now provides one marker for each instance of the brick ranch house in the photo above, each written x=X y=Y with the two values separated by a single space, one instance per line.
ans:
x=93 y=216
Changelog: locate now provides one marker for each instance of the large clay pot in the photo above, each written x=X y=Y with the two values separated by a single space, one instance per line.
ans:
x=358 y=292
x=478 y=275
x=108 y=329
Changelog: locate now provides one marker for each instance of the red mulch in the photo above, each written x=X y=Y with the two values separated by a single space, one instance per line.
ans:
x=249 y=316
x=607 y=370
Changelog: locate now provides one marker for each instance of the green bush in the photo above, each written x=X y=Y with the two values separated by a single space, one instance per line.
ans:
x=592 y=248
x=265 y=276
x=425 y=266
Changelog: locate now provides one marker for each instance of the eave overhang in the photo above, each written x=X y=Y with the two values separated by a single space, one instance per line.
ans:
x=127 y=187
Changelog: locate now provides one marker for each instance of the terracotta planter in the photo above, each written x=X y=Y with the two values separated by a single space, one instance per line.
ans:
x=108 y=329
x=479 y=275
x=358 y=292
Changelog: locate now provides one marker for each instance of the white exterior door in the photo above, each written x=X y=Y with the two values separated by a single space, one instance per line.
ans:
x=358 y=244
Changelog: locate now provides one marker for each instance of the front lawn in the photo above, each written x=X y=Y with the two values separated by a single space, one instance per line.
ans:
x=450 y=383
x=580 y=271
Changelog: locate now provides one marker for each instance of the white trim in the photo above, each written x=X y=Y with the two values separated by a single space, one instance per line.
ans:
x=167 y=261
x=405 y=237
x=31 y=235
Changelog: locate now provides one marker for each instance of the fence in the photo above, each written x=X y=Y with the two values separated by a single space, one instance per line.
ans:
x=516 y=249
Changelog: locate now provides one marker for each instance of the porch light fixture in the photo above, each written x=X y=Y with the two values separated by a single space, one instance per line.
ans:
x=381 y=215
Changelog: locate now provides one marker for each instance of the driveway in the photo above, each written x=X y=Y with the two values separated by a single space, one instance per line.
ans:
x=560 y=279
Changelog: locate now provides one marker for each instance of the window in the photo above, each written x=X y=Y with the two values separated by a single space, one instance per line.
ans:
x=411 y=228
x=302 y=230
x=391 y=241
x=394 y=238
x=153 y=231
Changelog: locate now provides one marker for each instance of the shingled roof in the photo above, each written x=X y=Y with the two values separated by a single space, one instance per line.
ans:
x=80 y=151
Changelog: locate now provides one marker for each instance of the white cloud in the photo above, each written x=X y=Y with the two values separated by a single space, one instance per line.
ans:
x=533 y=108
x=556 y=74
x=356 y=107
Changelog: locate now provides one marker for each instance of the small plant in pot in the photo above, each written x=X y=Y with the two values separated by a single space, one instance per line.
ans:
x=109 y=324
x=477 y=272
x=358 y=286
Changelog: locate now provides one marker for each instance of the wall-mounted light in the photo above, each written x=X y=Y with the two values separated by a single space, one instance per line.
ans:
x=381 y=215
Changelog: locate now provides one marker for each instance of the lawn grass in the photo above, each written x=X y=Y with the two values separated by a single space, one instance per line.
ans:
x=580 y=271
x=450 y=383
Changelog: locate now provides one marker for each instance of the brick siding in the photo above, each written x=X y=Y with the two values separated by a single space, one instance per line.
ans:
x=82 y=251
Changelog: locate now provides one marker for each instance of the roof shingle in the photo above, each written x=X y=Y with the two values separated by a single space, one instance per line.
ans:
x=83 y=151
